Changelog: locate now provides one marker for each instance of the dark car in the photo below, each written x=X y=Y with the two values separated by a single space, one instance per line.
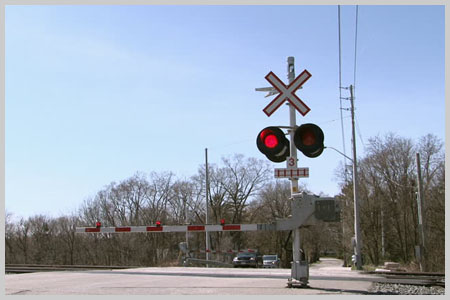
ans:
x=271 y=261
x=248 y=259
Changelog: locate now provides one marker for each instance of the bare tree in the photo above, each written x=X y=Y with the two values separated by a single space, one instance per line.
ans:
x=273 y=203
x=10 y=237
x=388 y=186
x=23 y=239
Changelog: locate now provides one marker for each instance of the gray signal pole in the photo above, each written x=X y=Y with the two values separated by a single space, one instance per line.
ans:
x=207 y=207
x=299 y=269
x=355 y=189
x=292 y=124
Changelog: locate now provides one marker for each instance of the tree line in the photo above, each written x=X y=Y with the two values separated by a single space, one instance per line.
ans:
x=389 y=214
x=242 y=190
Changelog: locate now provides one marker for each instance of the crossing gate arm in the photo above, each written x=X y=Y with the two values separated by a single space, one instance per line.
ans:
x=178 y=228
x=303 y=208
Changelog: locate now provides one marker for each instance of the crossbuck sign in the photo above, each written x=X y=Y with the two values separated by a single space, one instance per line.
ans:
x=287 y=93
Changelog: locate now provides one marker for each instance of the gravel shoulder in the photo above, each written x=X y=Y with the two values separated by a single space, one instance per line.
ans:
x=405 y=289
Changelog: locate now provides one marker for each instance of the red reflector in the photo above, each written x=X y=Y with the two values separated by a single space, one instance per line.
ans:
x=196 y=228
x=92 y=230
x=231 y=227
x=153 y=228
x=122 y=229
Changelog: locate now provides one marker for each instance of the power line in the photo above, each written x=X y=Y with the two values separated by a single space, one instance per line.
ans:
x=356 y=42
x=354 y=70
x=340 y=84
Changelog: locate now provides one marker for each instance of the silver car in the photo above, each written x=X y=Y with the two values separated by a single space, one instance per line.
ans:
x=271 y=261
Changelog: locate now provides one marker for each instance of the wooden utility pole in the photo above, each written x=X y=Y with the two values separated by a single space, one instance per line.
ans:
x=355 y=190
x=420 y=211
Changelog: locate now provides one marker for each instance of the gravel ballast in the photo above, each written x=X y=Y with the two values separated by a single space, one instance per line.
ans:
x=406 y=289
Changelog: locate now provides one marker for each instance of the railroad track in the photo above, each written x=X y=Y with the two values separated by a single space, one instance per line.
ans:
x=412 y=278
x=24 y=268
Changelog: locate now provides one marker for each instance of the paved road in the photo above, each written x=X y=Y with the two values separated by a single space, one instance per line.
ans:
x=326 y=277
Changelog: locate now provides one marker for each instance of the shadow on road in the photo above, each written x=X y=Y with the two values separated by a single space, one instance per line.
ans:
x=346 y=291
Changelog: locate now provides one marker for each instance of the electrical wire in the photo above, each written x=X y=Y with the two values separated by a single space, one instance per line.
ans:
x=340 y=86
x=356 y=42
x=354 y=71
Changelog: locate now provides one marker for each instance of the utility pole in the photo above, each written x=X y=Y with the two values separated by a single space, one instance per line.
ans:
x=355 y=189
x=186 y=218
x=207 y=207
x=420 y=206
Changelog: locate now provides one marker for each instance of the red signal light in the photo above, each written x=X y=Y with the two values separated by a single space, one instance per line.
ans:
x=269 y=138
x=222 y=222
x=272 y=142
x=158 y=223
x=98 y=224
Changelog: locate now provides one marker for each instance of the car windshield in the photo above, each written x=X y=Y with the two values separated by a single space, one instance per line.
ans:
x=270 y=257
x=246 y=254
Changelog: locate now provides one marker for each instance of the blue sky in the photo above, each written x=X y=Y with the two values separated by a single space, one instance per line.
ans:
x=95 y=94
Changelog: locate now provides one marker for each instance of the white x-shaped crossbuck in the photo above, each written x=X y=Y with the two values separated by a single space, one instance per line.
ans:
x=287 y=93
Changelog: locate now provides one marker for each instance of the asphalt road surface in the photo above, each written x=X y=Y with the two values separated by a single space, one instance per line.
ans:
x=326 y=277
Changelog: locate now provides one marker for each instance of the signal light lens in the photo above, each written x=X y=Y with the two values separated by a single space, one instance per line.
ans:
x=98 y=224
x=269 y=138
x=308 y=138
x=222 y=221
x=158 y=223
x=271 y=141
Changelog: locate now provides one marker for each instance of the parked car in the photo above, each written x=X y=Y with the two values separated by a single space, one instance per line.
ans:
x=271 y=261
x=248 y=259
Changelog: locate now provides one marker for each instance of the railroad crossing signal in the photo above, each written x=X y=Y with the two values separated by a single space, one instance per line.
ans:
x=287 y=92
x=308 y=138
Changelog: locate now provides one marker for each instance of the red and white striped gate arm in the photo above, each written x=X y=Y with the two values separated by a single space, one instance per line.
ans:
x=228 y=251
x=177 y=228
